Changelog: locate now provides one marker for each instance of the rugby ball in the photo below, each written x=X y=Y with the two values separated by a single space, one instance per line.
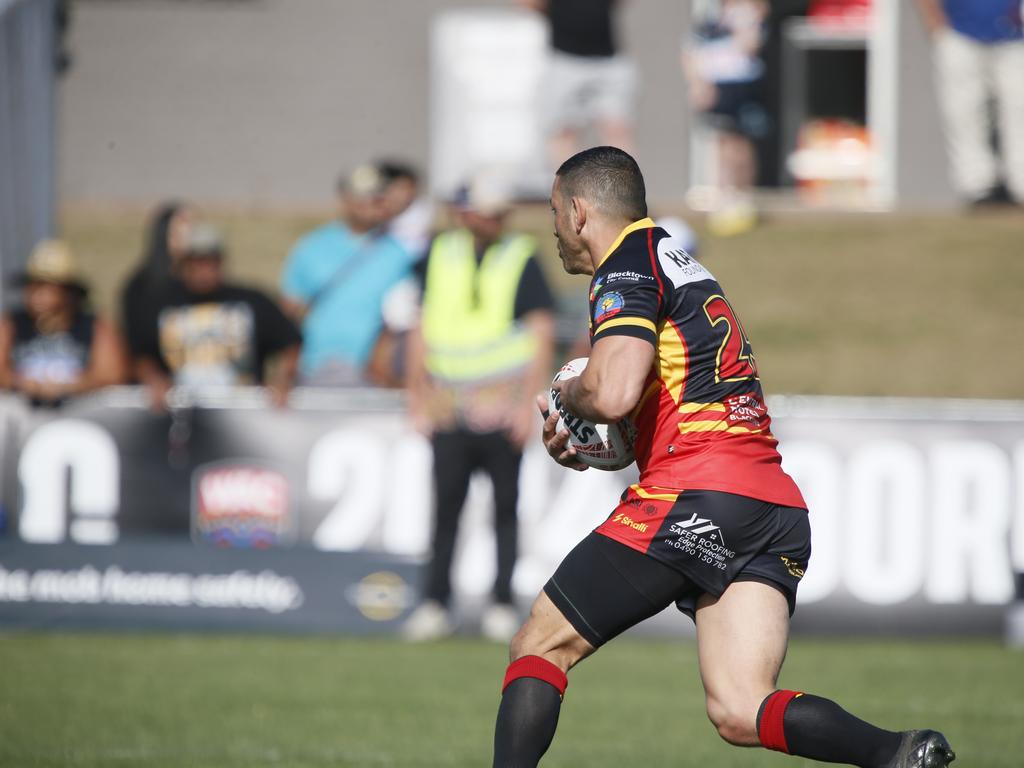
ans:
x=601 y=446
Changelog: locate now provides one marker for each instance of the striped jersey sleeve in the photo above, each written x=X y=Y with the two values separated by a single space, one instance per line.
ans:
x=626 y=295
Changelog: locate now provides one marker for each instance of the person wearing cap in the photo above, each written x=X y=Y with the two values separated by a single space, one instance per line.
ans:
x=52 y=347
x=335 y=280
x=480 y=353
x=978 y=60
x=211 y=333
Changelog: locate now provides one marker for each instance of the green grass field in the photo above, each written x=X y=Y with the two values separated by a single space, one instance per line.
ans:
x=224 y=701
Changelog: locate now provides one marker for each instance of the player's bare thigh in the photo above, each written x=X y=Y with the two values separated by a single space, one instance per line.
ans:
x=741 y=644
x=547 y=633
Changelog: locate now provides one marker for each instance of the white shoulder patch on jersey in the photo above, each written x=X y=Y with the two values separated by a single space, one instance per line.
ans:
x=680 y=266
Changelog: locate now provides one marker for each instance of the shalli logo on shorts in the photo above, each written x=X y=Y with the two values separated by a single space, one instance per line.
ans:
x=629 y=522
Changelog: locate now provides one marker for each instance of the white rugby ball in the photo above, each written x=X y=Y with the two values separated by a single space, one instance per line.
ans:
x=601 y=446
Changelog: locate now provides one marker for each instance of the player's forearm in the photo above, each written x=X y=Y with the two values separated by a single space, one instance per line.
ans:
x=598 y=397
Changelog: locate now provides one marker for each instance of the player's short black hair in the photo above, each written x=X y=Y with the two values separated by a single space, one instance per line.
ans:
x=607 y=177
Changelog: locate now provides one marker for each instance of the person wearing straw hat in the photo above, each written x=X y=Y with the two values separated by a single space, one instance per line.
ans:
x=53 y=347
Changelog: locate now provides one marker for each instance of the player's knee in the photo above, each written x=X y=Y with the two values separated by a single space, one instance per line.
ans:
x=521 y=644
x=558 y=643
x=734 y=719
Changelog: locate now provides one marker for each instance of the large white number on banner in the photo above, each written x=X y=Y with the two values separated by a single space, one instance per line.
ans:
x=85 y=452
x=406 y=529
x=348 y=467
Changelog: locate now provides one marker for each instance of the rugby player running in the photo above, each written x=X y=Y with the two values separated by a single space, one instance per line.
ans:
x=714 y=525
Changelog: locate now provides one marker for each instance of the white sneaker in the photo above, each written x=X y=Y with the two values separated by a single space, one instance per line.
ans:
x=499 y=623
x=430 y=621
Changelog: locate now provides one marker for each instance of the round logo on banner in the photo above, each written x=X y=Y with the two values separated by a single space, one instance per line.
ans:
x=381 y=596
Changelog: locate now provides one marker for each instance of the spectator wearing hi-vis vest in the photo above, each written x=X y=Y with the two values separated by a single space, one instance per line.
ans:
x=477 y=359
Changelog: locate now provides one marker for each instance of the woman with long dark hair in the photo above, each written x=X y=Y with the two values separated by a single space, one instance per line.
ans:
x=168 y=233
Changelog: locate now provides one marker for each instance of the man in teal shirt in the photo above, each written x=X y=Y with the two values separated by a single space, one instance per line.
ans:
x=335 y=280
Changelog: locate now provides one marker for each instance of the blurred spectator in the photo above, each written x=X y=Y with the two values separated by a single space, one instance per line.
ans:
x=481 y=353
x=53 y=347
x=208 y=332
x=168 y=233
x=336 y=278
x=410 y=222
x=979 y=64
x=410 y=217
x=589 y=83
x=724 y=70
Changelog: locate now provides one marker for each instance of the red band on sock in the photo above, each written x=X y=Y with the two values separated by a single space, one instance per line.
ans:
x=770 y=729
x=539 y=668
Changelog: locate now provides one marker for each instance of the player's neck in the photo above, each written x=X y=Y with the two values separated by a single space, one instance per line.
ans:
x=602 y=236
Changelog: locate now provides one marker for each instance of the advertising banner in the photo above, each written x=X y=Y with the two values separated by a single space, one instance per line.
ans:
x=174 y=585
x=917 y=507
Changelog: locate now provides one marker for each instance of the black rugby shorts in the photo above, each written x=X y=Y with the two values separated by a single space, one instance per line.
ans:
x=604 y=587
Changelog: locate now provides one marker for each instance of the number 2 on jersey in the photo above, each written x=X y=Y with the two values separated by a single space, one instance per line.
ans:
x=735 y=361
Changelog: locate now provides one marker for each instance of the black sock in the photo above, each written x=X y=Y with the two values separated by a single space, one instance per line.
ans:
x=526 y=723
x=822 y=730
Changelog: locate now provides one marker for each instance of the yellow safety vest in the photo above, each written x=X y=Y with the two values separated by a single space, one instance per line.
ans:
x=468 y=309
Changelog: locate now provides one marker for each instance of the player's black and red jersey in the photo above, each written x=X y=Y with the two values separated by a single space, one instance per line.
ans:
x=701 y=420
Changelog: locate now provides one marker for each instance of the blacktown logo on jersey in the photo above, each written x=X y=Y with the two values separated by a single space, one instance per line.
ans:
x=679 y=265
x=627 y=275
x=579 y=428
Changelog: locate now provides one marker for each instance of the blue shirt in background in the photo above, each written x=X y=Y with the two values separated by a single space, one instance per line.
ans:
x=988 y=21
x=344 y=312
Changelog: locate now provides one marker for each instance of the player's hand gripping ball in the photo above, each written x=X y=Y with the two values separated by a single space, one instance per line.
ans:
x=601 y=446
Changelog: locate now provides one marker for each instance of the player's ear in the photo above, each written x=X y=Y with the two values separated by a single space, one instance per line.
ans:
x=579 y=214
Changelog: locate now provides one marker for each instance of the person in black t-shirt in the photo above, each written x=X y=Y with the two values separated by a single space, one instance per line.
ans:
x=209 y=333
x=589 y=83
x=52 y=347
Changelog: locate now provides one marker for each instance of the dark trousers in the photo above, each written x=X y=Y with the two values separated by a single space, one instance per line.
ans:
x=456 y=455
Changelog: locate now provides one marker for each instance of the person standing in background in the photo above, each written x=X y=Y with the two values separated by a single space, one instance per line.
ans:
x=335 y=280
x=167 y=235
x=590 y=84
x=480 y=353
x=724 y=70
x=978 y=48
x=53 y=348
